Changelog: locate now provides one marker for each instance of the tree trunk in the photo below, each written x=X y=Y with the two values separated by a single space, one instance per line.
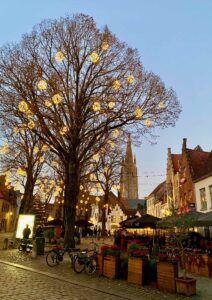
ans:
x=70 y=200
x=106 y=197
x=27 y=200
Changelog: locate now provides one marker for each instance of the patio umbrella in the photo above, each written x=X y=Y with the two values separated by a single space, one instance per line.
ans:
x=145 y=222
x=128 y=222
x=83 y=223
x=55 y=222
x=186 y=220
x=205 y=219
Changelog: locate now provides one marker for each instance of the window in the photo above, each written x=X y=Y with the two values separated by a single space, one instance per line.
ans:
x=210 y=193
x=203 y=199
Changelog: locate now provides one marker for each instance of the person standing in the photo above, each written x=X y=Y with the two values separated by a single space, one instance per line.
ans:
x=26 y=232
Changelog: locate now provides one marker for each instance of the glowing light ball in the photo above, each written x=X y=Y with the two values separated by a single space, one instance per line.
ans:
x=96 y=106
x=20 y=172
x=59 y=56
x=94 y=57
x=42 y=84
x=31 y=125
x=23 y=106
x=36 y=149
x=130 y=78
x=147 y=122
x=111 y=104
x=116 y=133
x=16 y=130
x=161 y=105
x=63 y=130
x=104 y=46
x=116 y=84
x=48 y=103
x=138 y=113
x=45 y=148
x=57 y=99
x=95 y=157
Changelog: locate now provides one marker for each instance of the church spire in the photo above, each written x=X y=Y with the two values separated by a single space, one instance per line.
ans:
x=129 y=155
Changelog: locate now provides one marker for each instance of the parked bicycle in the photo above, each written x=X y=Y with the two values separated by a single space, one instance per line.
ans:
x=55 y=256
x=84 y=261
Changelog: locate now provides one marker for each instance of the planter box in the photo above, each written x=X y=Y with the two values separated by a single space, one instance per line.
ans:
x=166 y=274
x=100 y=264
x=110 y=266
x=186 y=286
x=135 y=270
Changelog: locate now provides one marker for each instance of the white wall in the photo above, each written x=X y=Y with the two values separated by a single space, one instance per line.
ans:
x=204 y=183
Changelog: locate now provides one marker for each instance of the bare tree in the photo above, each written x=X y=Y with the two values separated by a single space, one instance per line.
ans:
x=81 y=83
x=23 y=160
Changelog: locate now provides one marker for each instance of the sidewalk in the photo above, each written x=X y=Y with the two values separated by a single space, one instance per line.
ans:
x=120 y=288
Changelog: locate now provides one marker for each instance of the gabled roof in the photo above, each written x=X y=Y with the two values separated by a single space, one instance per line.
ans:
x=159 y=191
x=200 y=162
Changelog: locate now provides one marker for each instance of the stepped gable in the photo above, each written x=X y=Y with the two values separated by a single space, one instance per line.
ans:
x=199 y=162
x=176 y=158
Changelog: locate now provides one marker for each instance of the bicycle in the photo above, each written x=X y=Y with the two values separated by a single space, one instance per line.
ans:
x=86 y=262
x=55 y=256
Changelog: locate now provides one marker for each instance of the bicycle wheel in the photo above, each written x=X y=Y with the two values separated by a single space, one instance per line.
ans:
x=79 y=264
x=91 y=266
x=52 y=258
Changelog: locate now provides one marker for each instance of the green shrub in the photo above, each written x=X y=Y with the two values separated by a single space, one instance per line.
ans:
x=49 y=233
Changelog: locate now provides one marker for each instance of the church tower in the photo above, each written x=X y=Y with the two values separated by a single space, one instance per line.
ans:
x=129 y=178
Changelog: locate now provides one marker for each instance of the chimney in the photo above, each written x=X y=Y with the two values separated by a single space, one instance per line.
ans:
x=184 y=143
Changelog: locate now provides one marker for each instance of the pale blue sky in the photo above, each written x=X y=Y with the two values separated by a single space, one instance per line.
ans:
x=174 y=38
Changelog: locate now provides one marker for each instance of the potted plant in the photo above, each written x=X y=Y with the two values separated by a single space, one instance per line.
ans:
x=110 y=261
x=185 y=285
x=167 y=271
x=136 y=264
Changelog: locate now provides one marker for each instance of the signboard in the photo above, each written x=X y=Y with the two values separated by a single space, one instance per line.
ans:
x=24 y=220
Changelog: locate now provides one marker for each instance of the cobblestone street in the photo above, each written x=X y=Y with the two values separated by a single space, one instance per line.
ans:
x=23 y=276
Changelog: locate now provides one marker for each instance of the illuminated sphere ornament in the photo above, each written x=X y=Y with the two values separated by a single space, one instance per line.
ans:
x=63 y=130
x=116 y=133
x=41 y=159
x=130 y=78
x=20 y=172
x=45 y=148
x=48 y=103
x=31 y=124
x=161 y=105
x=94 y=57
x=104 y=46
x=138 y=112
x=36 y=149
x=57 y=99
x=147 y=122
x=116 y=84
x=54 y=163
x=96 y=106
x=4 y=149
x=16 y=130
x=42 y=84
x=97 y=199
x=23 y=106
x=95 y=157
x=59 y=56
x=111 y=104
